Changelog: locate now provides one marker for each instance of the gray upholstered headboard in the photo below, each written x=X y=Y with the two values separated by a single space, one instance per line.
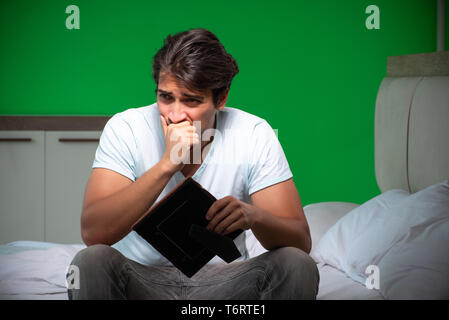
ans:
x=412 y=122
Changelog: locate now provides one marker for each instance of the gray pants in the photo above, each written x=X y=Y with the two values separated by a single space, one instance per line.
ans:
x=284 y=273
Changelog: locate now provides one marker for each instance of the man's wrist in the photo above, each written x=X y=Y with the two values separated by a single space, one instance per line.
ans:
x=167 y=168
x=257 y=217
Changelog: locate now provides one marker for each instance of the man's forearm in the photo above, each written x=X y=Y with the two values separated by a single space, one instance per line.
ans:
x=110 y=219
x=273 y=231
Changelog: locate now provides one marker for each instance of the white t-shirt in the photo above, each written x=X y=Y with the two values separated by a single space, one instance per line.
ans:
x=245 y=156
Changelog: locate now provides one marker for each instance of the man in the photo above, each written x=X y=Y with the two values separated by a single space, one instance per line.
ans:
x=145 y=152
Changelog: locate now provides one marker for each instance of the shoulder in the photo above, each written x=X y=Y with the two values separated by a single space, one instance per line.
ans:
x=136 y=116
x=133 y=119
x=233 y=118
x=250 y=125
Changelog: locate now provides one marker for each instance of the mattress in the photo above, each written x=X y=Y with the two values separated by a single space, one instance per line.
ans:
x=32 y=270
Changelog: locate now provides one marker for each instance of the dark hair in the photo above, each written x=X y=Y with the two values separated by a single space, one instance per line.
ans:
x=198 y=61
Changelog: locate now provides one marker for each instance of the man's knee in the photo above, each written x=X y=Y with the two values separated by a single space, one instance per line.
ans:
x=94 y=256
x=99 y=269
x=291 y=257
x=296 y=269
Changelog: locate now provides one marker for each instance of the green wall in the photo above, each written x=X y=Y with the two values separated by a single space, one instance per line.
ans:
x=311 y=68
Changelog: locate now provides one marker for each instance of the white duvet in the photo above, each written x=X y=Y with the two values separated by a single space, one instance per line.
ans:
x=34 y=270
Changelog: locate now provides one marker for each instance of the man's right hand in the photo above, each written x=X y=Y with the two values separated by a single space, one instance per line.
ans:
x=179 y=139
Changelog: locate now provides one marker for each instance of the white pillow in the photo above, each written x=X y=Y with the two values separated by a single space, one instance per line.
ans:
x=418 y=266
x=335 y=246
x=365 y=235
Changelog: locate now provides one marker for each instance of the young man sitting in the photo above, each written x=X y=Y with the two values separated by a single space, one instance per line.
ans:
x=145 y=152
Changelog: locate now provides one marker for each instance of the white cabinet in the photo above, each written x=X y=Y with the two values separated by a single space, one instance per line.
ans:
x=22 y=185
x=68 y=160
x=43 y=175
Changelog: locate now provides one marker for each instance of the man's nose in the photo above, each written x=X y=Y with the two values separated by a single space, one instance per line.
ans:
x=177 y=114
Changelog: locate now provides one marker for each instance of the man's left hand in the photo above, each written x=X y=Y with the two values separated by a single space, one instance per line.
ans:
x=229 y=214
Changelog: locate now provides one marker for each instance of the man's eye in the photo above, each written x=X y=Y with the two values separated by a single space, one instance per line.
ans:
x=169 y=98
x=165 y=96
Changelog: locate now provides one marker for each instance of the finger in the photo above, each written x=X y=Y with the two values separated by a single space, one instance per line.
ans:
x=216 y=220
x=187 y=132
x=188 y=139
x=183 y=132
x=227 y=222
x=217 y=206
x=220 y=215
x=239 y=224
x=164 y=125
x=181 y=124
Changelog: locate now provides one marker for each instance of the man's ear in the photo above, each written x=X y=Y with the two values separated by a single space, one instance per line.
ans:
x=223 y=100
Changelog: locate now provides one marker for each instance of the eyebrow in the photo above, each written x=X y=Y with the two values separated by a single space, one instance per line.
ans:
x=184 y=94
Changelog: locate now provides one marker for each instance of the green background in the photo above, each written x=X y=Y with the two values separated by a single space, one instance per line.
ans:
x=310 y=68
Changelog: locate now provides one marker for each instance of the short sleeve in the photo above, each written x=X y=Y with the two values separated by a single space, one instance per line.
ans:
x=267 y=162
x=117 y=148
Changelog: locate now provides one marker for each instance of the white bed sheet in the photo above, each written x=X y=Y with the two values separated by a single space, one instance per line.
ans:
x=336 y=285
x=34 y=270
x=54 y=296
x=31 y=270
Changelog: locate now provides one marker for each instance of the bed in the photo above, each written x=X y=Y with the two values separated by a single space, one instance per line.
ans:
x=390 y=247
x=33 y=270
